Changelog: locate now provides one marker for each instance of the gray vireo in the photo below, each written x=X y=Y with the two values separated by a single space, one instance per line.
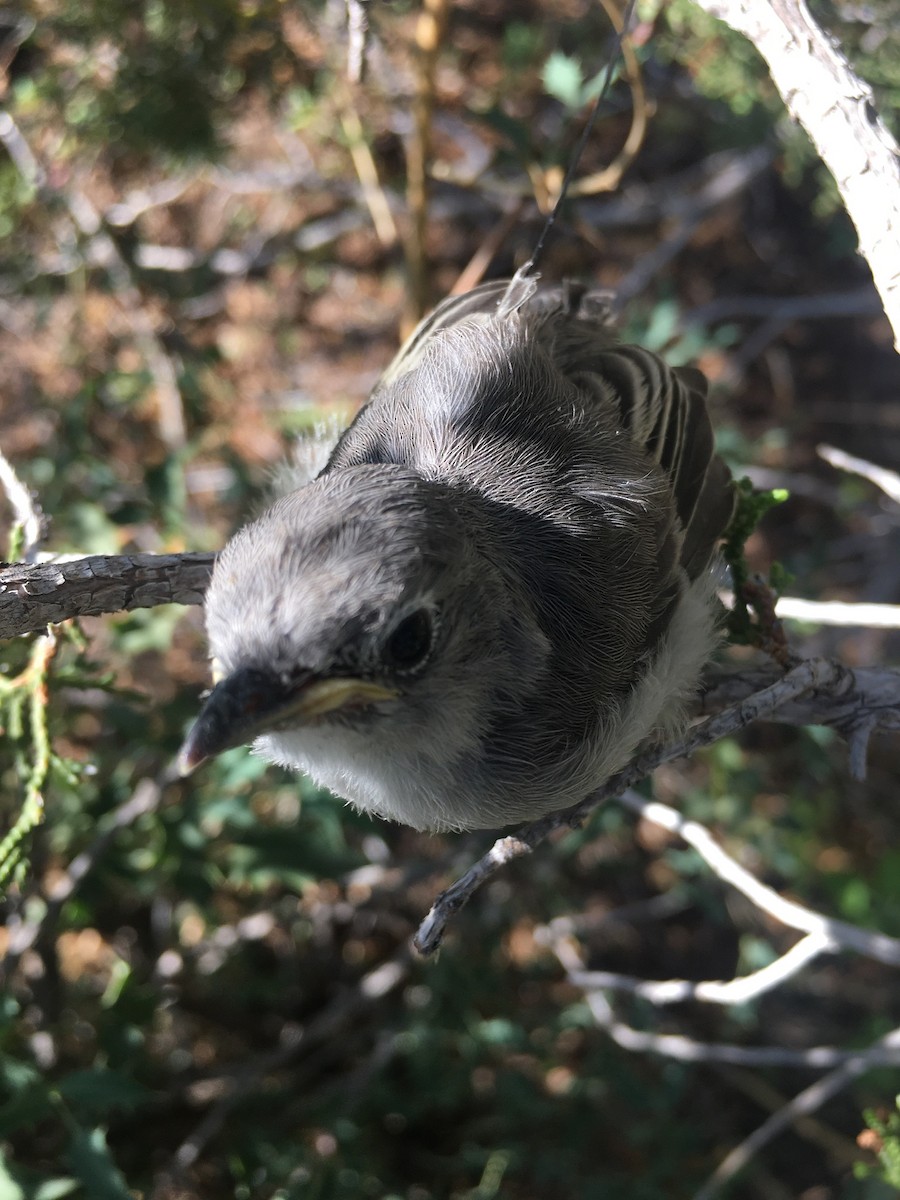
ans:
x=500 y=585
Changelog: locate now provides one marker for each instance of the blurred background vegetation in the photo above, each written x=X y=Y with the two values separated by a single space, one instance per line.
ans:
x=216 y=999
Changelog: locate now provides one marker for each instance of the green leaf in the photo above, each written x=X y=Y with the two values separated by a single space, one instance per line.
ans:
x=90 y=1159
x=24 y=1184
x=96 y=1092
x=10 y=1189
x=563 y=79
x=23 y=1110
x=54 y=1189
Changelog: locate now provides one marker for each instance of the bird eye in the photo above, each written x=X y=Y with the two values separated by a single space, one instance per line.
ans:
x=409 y=644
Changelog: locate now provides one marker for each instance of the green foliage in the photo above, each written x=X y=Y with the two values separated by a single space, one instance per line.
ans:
x=170 y=71
x=660 y=328
x=870 y=38
x=725 y=66
x=564 y=78
x=750 y=507
x=728 y=71
x=887 y=1131
x=25 y=1185
x=23 y=717
x=16 y=194
x=214 y=967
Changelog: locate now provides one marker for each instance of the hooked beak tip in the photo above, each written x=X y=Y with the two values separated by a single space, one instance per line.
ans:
x=190 y=757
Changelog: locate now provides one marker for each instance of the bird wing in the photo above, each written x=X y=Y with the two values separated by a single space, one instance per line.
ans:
x=481 y=301
x=662 y=409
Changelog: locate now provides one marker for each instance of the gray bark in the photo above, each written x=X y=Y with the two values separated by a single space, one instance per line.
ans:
x=32 y=597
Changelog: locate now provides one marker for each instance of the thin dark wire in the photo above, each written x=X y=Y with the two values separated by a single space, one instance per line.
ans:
x=582 y=142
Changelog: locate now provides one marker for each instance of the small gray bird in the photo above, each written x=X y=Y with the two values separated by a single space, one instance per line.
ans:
x=500 y=585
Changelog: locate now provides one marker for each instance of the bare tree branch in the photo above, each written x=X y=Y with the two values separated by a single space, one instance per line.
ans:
x=712 y=991
x=837 y=612
x=833 y=933
x=29 y=521
x=808 y=1101
x=357 y=39
x=844 y=1065
x=887 y=480
x=32 y=597
x=836 y=109
x=873 y=692
x=687 y=1049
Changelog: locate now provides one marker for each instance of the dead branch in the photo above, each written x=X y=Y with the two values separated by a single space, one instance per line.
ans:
x=712 y=991
x=30 y=523
x=808 y=1101
x=831 y=933
x=888 y=481
x=32 y=597
x=837 y=612
x=837 y=110
x=885 y=1052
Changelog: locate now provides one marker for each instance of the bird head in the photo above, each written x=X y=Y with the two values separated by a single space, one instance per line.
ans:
x=359 y=616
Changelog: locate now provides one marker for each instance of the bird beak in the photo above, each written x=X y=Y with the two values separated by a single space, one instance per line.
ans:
x=252 y=702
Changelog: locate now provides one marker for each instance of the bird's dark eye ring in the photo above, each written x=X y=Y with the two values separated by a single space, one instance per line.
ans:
x=410 y=643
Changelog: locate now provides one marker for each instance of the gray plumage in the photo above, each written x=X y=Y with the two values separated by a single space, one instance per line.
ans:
x=499 y=586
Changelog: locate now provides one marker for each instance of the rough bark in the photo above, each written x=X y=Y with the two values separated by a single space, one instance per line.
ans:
x=32 y=597
x=836 y=108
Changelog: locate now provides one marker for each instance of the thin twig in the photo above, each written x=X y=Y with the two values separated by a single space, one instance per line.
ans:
x=357 y=39
x=686 y=1049
x=610 y=177
x=808 y=1101
x=136 y=203
x=20 y=152
x=842 y=1150
x=837 y=612
x=30 y=524
x=562 y=188
x=837 y=110
x=713 y=991
x=367 y=171
x=888 y=481
x=830 y=930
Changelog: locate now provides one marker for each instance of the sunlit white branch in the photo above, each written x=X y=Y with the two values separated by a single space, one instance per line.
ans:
x=837 y=110
x=888 y=481
x=831 y=612
x=712 y=991
x=836 y=612
x=797 y=916
x=26 y=510
x=686 y=1049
